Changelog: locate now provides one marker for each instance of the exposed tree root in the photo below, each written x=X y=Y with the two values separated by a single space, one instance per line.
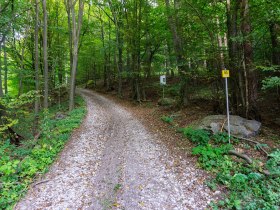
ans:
x=252 y=141
x=243 y=156
x=248 y=160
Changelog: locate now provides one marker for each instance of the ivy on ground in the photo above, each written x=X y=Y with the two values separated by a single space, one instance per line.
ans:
x=247 y=187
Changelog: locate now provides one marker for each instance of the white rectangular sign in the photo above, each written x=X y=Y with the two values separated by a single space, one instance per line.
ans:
x=163 y=80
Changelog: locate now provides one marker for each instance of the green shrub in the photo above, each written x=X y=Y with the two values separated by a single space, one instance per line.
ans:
x=210 y=156
x=198 y=136
x=271 y=83
x=220 y=138
x=273 y=164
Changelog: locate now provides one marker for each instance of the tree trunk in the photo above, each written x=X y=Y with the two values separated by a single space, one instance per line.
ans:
x=178 y=48
x=76 y=29
x=238 y=90
x=68 y=10
x=1 y=87
x=118 y=16
x=220 y=45
x=22 y=69
x=250 y=74
x=37 y=82
x=5 y=67
x=45 y=52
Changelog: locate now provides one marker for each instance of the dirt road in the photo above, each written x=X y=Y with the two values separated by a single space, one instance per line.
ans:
x=113 y=162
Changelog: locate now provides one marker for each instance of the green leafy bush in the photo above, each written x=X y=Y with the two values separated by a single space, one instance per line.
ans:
x=220 y=138
x=12 y=109
x=198 y=136
x=273 y=164
x=271 y=83
x=210 y=156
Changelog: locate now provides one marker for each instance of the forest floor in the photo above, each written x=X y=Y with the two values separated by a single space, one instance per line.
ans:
x=120 y=158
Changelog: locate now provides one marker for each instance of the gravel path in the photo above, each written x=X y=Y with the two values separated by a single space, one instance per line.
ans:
x=113 y=162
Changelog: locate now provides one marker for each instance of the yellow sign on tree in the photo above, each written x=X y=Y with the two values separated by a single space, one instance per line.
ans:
x=225 y=73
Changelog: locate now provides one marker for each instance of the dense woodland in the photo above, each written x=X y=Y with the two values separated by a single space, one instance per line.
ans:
x=46 y=45
x=50 y=47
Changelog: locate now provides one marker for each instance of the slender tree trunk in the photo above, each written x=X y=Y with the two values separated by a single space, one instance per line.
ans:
x=45 y=52
x=108 y=64
x=250 y=74
x=169 y=61
x=68 y=10
x=1 y=87
x=76 y=29
x=60 y=53
x=118 y=19
x=178 y=48
x=220 y=45
x=105 y=69
x=37 y=84
x=120 y=62
x=21 y=71
x=5 y=67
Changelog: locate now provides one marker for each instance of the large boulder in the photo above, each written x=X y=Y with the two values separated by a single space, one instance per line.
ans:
x=239 y=126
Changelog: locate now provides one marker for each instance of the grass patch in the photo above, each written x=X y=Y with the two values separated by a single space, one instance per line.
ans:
x=19 y=166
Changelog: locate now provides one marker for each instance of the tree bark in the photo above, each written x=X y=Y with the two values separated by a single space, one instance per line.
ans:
x=22 y=69
x=76 y=29
x=37 y=82
x=1 y=87
x=45 y=52
x=220 y=45
x=5 y=67
x=178 y=48
x=238 y=90
x=67 y=6
x=118 y=21
x=250 y=74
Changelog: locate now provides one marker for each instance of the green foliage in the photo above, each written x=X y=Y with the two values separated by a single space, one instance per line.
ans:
x=247 y=188
x=90 y=84
x=271 y=83
x=220 y=138
x=210 y=156
x=12 y=109
x=167 y=119
x=273 y=164
x=19 y=165
x=173 y=90
x=198 y=136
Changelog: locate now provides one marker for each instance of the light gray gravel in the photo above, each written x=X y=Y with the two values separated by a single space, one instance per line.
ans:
x=113 y=162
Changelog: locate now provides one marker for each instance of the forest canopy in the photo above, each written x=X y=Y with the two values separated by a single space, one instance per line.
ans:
x=49 y=47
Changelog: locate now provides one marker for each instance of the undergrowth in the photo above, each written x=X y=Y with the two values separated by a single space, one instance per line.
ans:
x=247 y=187
x=19 y=166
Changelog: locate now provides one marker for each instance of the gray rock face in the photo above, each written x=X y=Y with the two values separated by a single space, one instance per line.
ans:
x=240 y=127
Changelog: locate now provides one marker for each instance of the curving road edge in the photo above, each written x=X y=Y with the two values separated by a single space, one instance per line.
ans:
x=113 y=162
